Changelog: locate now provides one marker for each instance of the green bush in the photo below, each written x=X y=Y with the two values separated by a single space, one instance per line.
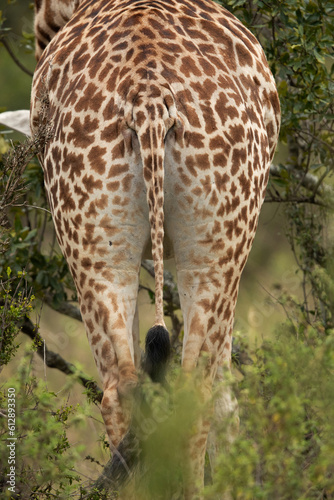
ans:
x=16 y=301
x=285 y=448
x=44 y=460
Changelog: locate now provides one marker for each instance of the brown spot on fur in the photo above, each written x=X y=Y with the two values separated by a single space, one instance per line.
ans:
x=65 y=195
x=82 y=133
x=96 y=160
x=224 y=109
x=244 y=56
x=91 y=184
x=96 y=338
x=105 y=351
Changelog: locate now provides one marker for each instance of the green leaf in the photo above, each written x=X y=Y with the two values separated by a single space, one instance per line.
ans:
x=319 y=57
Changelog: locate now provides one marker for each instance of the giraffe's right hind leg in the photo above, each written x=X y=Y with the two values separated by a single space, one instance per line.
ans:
x=207 y=344
x=208 y=284
x=225 y=423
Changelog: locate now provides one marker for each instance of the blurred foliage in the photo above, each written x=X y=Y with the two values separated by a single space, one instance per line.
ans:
x=16 y=35
x=26 y=221
x=43 y=457
x=16 y=301
x=285 y=448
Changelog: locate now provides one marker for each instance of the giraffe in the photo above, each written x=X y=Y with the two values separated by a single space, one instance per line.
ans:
x=166 y=119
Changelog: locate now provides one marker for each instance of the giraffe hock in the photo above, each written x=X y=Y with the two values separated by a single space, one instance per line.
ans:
x=157 y=353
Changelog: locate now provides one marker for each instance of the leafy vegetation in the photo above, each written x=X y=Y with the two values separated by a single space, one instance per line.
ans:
x=14 y=306
x=44 y=460
x=285 y=446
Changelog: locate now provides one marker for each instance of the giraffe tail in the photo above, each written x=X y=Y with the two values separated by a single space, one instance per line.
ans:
x=151 y=134
x=157 y=353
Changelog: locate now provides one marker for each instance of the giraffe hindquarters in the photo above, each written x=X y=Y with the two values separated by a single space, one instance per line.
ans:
x=214 y=193
x=102 y=227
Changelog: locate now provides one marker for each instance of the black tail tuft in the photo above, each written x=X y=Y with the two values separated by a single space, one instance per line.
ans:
x=157 y=353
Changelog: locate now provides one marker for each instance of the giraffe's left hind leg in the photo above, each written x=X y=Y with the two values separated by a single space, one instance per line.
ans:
x=109 y=316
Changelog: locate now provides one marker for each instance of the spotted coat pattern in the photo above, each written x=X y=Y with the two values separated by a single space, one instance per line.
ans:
x=166 y=119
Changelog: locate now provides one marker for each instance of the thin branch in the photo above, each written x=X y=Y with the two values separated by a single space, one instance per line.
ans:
x=13 y=56
x=295 y=199
x=55 y=360
x=317 y=138
x=309 y=182
x=63 y=308
x=31 y=206
x=320 y=180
